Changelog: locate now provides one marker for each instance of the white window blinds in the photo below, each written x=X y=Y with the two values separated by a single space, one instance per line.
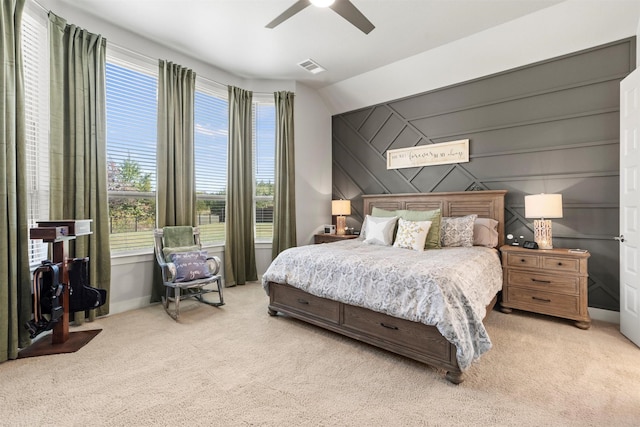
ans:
x=131 y=152
x=264 y=136
x=211 y=119
x=36 y=81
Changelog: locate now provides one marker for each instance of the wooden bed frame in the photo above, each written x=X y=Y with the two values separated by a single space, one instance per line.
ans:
x=415 y=340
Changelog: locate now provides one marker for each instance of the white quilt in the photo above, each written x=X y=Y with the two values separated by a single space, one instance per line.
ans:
x=448 y=288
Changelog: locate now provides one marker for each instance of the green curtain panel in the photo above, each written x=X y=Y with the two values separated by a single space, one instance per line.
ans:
x=15 y=294
x=175 y=186
x=284 y=202
x=239 y=247
x=78 y=145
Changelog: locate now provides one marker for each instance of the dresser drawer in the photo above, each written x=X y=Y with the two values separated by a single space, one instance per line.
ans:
x=561 y=264
x=522 y=260
x=544 y=282
x=543 y=302
x=293 y=298
x=398 y=331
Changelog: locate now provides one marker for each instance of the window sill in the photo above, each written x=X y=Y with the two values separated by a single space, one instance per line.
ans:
x=143 y=255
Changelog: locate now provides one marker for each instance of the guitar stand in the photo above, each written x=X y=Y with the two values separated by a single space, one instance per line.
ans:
x=61 y=340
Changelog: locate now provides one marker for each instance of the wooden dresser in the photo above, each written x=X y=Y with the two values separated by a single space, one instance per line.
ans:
x=550 y=281
x=328 y=238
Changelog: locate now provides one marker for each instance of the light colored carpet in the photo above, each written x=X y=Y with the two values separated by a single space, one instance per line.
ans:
x=237 y=366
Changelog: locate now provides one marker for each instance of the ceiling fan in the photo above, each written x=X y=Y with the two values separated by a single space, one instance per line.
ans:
x=344 y=8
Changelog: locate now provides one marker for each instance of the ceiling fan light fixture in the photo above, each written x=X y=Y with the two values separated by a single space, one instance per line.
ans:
x=344 y=8
x=322 y=3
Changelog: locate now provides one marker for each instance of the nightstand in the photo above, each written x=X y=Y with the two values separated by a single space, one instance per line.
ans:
x=546 y=281
x=328 y=238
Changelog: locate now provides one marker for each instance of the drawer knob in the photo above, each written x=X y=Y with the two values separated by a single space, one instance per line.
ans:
x=541 y=281
x=523 y=260
x=559 y=263
x=541 y=299
x=302 y=301
x=384 y=325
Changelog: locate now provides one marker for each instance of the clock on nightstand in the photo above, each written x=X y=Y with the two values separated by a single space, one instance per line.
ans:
x=546 y=281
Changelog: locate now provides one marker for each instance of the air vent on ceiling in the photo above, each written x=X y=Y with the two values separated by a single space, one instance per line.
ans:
x=311 y=66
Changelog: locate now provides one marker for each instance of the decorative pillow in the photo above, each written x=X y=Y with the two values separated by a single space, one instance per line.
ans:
x=457 y=231
x=375 y=211
x=433 y=238
x=411 y=234
x=190 y=266
x=379 y=230
x=168 y=251
x=379 y=213
x=485 y=232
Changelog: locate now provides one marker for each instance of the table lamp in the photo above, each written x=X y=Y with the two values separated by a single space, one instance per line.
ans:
x=543 y=206
x=340 y=208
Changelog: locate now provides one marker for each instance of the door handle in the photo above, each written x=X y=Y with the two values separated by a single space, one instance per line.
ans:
x=619 y=238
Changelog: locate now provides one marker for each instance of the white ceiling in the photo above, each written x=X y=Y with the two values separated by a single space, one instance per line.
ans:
x=231 y=34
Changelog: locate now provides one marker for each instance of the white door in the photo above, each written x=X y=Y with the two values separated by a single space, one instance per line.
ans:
x=629 y=202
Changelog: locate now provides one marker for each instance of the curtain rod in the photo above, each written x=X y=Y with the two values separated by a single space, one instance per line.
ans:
x=145 y=57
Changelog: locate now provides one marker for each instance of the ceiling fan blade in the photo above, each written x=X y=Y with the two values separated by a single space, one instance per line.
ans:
x=295 y=8
x=348 y=11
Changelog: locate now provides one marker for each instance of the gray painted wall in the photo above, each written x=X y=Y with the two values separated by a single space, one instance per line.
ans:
x=549 y=127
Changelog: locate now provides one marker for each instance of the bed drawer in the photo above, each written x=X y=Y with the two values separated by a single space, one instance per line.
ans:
x=292 y=298
x=409 y=334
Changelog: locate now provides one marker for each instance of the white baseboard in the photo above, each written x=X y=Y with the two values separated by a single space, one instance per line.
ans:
x=604 y=315
x=132 y=304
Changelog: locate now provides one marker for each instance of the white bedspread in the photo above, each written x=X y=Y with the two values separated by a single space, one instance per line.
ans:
x=448 y=288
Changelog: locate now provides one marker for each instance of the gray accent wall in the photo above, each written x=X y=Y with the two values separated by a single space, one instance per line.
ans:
x=549 y=127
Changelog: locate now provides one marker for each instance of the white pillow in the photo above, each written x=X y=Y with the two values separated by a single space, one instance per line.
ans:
x=412 y=234
x=379 y=230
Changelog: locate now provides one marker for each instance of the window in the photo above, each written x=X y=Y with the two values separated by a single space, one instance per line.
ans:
x=131 y=151
x=211 y=139
x=264 y=149
x=131 y=155
x=211 y=129
x=35 y=51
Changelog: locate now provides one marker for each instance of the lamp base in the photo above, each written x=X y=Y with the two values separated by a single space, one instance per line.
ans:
x=542 y=233
x=341 y=224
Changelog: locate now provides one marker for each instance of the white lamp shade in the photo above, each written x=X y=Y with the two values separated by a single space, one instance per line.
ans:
x=340 y=207
x=543 y=206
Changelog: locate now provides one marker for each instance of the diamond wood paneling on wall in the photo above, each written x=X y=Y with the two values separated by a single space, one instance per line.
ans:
x=549 y=127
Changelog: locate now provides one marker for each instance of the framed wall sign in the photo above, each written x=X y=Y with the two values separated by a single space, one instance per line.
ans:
x=427 y=155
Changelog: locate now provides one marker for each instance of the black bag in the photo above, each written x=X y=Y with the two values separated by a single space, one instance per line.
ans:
x=47 y=298
x=82 y=296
